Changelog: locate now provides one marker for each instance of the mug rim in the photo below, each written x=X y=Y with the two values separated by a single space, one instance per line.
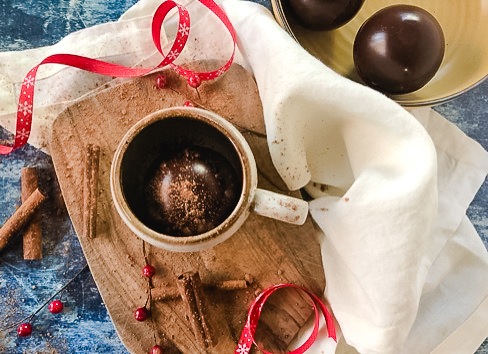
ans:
x=219 y=233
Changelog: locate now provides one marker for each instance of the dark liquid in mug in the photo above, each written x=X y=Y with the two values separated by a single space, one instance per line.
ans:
x=190 y=191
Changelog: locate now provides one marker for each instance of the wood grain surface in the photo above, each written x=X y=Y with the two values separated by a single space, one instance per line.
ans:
x=270 y=251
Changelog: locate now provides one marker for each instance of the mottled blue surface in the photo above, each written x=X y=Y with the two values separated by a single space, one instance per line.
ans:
x=84 y=326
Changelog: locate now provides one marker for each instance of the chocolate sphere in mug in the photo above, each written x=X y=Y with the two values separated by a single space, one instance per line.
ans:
x=191 y=191
x=399 y=49
x=324 y=15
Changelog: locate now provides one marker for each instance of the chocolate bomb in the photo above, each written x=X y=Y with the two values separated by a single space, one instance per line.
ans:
x=399 y=49
x=323 y=15
x=190 y=191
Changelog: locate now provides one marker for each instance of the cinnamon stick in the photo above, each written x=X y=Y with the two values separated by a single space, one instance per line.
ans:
x=20 y=217
x=229 y=284
x=165 y=293
x=32 y=238
x=90 y=190
x=170 y=292
x=191 y=291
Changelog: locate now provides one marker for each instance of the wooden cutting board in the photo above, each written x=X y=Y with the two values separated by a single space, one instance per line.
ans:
x=270 y=251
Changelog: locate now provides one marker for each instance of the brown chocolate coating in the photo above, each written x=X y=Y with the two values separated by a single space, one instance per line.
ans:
x=399 y=49
x=323 y=15
x=191 y=191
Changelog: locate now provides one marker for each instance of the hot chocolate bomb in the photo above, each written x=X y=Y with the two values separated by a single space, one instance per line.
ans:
x=399 y=49
x=190 y=191
x=324 y=15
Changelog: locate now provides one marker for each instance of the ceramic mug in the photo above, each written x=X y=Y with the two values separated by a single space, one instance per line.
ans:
x=161 y=131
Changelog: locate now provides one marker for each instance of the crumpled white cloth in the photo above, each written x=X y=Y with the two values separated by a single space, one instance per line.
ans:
x=406 y=271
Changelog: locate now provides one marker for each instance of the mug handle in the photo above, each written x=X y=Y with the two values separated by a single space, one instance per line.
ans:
x=280 y=207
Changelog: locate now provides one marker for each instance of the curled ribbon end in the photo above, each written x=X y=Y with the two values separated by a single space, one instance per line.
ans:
x=5 y=150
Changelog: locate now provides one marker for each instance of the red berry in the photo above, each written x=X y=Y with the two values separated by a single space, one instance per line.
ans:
x=188 y=104
x=157 y=350
x=161 y=82
x=24 y=330
x=194 y=81
x=148 y=271
x=56 y=306
x=141 y=314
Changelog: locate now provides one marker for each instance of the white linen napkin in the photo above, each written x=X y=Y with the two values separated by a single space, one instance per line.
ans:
x=405 y=269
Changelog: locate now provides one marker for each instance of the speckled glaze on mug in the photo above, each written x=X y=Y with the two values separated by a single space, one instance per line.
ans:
x=139 y=148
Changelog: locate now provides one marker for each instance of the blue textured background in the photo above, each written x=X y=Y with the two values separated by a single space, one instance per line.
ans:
x=84 y=326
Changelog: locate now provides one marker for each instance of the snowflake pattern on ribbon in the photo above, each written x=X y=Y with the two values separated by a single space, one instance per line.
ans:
x=28 y=81
x=25 y=108
x=184 y=30
x=242 y=348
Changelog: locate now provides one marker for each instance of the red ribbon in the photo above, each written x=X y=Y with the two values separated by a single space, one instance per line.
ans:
x=247 y=336
x=26 y=98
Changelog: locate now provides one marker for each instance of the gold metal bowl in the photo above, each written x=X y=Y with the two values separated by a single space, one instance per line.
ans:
x=465 y=63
